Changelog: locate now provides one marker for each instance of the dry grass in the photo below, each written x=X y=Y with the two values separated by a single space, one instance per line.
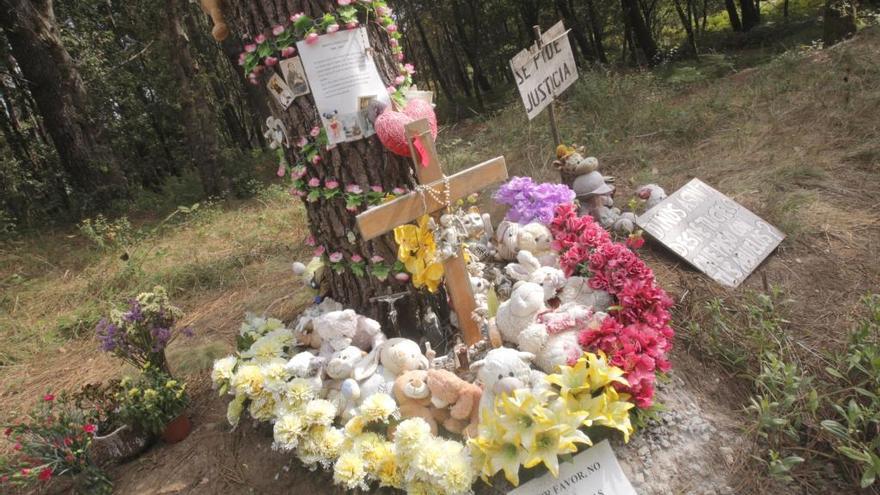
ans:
x=217 y=264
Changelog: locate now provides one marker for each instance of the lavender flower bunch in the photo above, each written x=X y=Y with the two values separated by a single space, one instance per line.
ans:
x=530 y=202
x=140 y=334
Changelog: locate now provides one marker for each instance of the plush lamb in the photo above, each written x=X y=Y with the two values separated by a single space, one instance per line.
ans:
x=391 y=359
x=553 y=339
x=307 y=364
x=652 y=194
x=304 y=329
x=578 y=290
x=518 y=312
x=340 y=329
x=529 y=269
x=504 y=370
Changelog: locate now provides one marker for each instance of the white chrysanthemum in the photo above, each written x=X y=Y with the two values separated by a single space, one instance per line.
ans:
x=275 y=376
x=320 y=445
x=287 y=431
x=262 y=407
x=377 y=407
x=248 y=380
x=270 y=346
x=430 y=459
x=349 y=472
x=459 y=473
x=222 y=371
x=319 y=412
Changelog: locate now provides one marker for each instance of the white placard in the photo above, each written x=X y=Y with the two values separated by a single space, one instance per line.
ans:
x=594 y=471
x=543 y=75
x=712 y=232
x=341 y=72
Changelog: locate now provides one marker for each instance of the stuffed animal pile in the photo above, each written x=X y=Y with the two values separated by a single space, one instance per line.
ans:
x=576 y=317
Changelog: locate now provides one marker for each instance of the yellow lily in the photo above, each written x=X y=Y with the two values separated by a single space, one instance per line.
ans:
x=522 y=416
x=417 y=251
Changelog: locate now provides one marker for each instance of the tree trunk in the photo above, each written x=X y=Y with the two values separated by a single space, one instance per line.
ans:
x=364 y=162
x=61 y=98
x=750 y=15
x=196 y=116
x=733 y=15
x=577 y=30
x=596 y=29
x=463 y=80
x=480 y=81
x=639 y=28
x=688 y=27
x=432 y=59
x=840 y=21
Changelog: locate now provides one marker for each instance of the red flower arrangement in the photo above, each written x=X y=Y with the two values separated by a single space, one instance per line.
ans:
x=636 y=335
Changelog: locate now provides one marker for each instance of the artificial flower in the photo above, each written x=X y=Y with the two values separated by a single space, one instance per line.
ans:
x=377 y=407
x=417 y=251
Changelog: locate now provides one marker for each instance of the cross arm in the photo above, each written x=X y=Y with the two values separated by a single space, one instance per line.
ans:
x=384 y=218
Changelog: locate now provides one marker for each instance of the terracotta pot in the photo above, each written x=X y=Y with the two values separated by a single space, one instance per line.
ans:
x=177 y=429
x=119 y=445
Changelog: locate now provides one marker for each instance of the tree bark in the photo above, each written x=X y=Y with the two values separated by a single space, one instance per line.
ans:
x=688 y=27
x=364 y=162
x=196 y=118
x=577 y=30
x=432 y=59
x=733 y=15
x=641 y=33
x=62 y=100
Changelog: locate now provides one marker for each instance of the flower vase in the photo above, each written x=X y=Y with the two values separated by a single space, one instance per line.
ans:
x=121 y=444
x=177 y=429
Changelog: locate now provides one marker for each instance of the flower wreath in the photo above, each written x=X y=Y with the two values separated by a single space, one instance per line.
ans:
x=636 y=335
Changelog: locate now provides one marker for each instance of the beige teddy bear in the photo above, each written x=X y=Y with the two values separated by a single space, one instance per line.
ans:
x=457 y=401
x=414 y=398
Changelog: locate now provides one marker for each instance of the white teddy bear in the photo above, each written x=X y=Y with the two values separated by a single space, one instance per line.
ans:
x=529 y=269
x=391 y=359
x=304 y=331
x=504 y=370
x=652 y=194
x=533 y=237
x=307 y=364
x=518 y=312
x=340 y=329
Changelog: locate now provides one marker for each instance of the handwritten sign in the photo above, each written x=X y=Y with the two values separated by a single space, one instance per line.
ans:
x=342 y=74
x=542 y=75
x=712 y=232
x=594 y=471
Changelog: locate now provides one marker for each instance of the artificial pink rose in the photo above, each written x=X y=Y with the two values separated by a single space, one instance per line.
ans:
x=377 y=259
x=310 y=241
x=354 y=189
x=314 y=182
x=409 y=68
x=331 y=184
x=316 y=159
x=288 y=51
x=336 y=257
x=302 y=141
x=399 y=57
x=393 y=42
x=399 y=80
x=250 y=47
x=343 y=3
x=398 y=191
x=281 y=170
x=332 y=28
x=295 y=17
x=357 y=258
x=311 y=38
x=315 y=131
x=277 y=30
x=319 y=251
x=391 y=28
x=377 y=189
x=260 y=39
x=351 y=24
x=271 y=61
x=401 y=277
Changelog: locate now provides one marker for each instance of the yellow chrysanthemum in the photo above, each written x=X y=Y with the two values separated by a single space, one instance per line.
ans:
x=377 y=407
x=319 y=412
x=262 y=407
x=248 y=379
x=287 y=431
x=430 y=458
x=410 y=434
x=270 y=346
x=417 y=251
x=349 y=472
x=355 y=425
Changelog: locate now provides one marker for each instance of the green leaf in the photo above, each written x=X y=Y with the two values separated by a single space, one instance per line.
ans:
x=868 y=478
x=303 y=23
x=833 y=372
x=264 y=50
x=835 y=428
x=856 y=455
x=492 y=302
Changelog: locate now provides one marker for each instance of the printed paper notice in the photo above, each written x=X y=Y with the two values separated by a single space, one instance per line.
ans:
x=594 y=471
x=342 y=75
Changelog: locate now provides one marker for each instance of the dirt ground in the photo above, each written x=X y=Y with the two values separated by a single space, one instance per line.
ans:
x=698 y=444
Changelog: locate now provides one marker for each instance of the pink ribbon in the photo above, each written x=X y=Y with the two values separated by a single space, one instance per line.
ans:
x=424 y=158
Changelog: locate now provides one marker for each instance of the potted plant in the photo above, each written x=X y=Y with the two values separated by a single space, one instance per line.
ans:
x=140 y=333
x=114 y=441
x=155 y=402
x=53 y=441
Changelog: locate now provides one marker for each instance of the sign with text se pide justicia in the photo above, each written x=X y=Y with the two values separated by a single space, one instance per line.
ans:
x=594 y=471
x=542 y=75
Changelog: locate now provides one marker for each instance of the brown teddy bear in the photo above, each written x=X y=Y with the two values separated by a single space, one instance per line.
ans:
x=457 y=402
x=413 y=397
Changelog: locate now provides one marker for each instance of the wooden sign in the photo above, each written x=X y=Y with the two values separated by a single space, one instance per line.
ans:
x=712 y=232
x=594 y=471
x=384 y=218
x=544 y=70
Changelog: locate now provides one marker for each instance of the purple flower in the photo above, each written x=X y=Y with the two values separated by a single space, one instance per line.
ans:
x=530 y=202
x=134 y=313
x=108 y=333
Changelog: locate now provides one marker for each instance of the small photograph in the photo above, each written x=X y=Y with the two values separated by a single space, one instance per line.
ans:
x=280 y=90
x=363 y=114
x=352 y=125
x=295 y=75
x=335 y=132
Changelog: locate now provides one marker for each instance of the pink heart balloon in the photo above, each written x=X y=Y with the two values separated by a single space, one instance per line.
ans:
x=390 y=129
x=421 y=109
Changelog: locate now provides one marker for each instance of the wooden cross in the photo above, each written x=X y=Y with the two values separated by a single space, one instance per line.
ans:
x=409 y=207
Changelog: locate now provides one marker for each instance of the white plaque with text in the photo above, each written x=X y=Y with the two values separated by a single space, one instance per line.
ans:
x=712 y=232
x=594 y=471
x=542 y=75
